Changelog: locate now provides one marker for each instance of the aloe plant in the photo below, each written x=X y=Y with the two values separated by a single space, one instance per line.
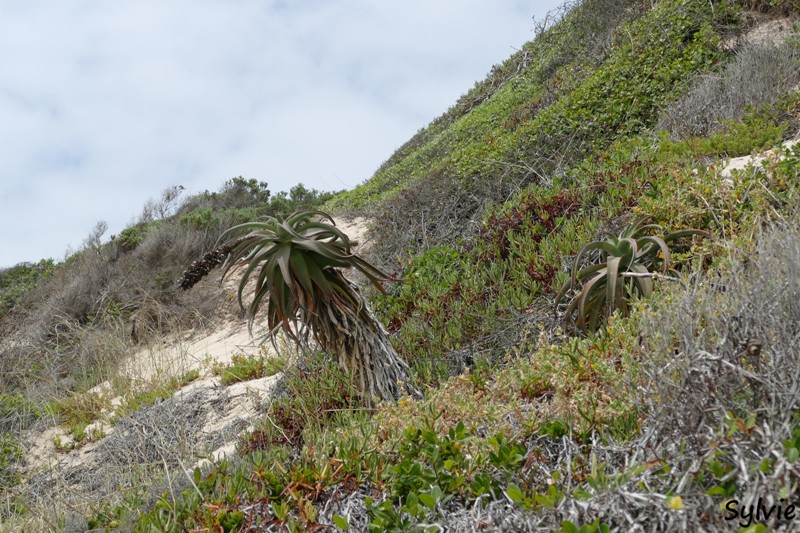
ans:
x=626 y=269
x=296 y=266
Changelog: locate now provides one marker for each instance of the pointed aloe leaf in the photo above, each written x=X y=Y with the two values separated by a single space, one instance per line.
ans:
x=282 y=255
x=319 y=278
x=256 y=257
x=335 y=256
x=328 y=231
x=630 y=249
x=659 y=243
x=612 y=277
x=261 y=227
x=237 y=253
x=597 y=245
x=644 y=283
x=597 y=310
x=573 y=306
x=647 y=227
x=306 y=215
x=300 y=269
x=260 y=294
x=344 y=291
x=582 y=274
x=262 y=282
x=373 y=273
x=592 y=286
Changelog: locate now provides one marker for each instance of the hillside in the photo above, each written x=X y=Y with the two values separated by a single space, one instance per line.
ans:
x=645 y=382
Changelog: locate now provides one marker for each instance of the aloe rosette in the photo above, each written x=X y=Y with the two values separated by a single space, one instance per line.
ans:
x=625 y=270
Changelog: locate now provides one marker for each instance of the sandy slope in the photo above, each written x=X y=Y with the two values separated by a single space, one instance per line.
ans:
x=738 y=164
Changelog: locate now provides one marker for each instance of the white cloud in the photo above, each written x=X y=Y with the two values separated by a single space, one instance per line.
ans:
x=105 y=104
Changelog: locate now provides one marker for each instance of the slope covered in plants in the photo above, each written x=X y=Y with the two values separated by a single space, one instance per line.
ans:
x=481 y=214
x=676 y=413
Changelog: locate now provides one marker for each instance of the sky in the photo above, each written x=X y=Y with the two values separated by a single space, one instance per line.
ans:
x=104 y=104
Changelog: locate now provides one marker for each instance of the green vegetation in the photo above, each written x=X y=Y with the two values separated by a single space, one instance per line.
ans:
x=241 y=200
x=246 y=367
x=16 y=411
x=113 y=294
x=450 y=296
x=84 y=415
x=76 y=413
x=16 y=281
x=11 y=456
x=554 y=170
x=573 y=94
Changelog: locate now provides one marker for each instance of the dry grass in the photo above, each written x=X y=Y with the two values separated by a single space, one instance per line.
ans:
x=759 y=74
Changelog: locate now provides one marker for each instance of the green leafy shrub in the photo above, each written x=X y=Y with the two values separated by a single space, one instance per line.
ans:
x=200 y=218
x=560 y=109
x=130 y=238
x=626 y=270
x=759 y=129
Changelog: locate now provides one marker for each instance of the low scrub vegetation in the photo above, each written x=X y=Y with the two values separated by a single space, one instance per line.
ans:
x=587 y=162
x=586 y=432
x=18 y=280
x=244 y=367
x=67 y=325
x=561 y=106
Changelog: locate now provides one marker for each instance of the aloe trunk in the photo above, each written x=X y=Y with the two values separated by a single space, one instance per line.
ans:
x=362 y=348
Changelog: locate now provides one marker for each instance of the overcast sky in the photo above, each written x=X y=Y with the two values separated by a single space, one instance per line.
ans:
x=103 y=104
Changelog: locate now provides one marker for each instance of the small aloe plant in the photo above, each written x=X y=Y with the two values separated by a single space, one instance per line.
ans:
x=625 y=270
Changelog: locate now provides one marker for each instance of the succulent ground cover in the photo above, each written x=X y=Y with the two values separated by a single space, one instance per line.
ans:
x=677 y=414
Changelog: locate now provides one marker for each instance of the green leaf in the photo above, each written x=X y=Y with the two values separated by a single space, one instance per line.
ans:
x=515 y=493
x=299 y=268
x=792 y=454
x=428 y=500
x=754 y=528
x=716 y=491
x=612 y=275
x=568 y=527
x=341 y=522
